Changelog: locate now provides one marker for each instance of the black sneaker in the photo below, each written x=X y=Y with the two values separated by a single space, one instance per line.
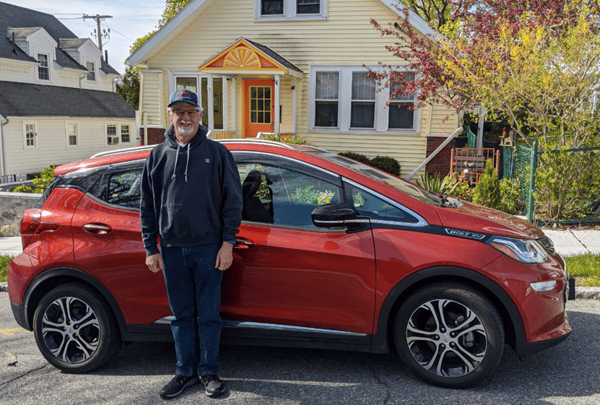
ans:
x=177 y=385
x=213 y=386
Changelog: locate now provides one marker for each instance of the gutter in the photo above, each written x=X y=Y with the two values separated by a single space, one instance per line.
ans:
x=3 y=122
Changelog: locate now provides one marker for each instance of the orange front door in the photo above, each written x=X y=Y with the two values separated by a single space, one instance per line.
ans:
x=258 y=106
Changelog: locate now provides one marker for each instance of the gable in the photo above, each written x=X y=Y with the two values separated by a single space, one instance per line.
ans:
x=193 y=12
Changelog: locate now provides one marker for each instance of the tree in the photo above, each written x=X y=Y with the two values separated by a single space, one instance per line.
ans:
x=536 y=63
x=435 y=12
x=129 y=87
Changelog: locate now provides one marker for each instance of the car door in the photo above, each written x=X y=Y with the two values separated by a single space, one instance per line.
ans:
x=108 y=244
x=287 y=271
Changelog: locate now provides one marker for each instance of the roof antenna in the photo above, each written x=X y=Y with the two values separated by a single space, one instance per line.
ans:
x=13 y=44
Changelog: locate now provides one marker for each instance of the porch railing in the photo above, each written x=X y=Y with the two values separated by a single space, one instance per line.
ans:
x=470 y=162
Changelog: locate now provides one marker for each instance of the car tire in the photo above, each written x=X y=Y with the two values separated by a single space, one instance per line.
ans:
x=75 y=329
x=449 y=335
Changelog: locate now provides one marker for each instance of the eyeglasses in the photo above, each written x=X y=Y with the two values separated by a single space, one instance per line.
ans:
x=181 y=113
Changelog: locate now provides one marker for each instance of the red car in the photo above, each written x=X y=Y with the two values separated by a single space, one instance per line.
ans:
x=331 y=253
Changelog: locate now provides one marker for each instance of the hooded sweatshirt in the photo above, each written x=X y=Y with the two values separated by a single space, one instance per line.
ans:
x=191 y=194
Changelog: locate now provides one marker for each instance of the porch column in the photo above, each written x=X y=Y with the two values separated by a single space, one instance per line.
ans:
x=210 y=102
x=294 y=105
x=277 y=108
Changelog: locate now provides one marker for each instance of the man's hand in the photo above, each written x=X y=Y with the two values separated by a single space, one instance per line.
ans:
x=224 y=257
x=155 y=263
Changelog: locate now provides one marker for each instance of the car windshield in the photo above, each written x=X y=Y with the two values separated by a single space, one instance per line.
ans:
x=380 y=176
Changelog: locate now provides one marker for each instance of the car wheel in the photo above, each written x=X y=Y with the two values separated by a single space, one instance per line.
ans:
x=75 y=329
x=449 y=334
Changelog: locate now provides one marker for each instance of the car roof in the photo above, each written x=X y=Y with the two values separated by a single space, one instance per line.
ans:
x=141 y=152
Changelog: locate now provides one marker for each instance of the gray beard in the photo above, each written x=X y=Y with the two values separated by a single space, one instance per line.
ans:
x=184 y=131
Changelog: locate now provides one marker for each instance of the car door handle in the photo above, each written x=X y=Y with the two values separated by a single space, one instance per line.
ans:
x=243 y=244
x=97 y=228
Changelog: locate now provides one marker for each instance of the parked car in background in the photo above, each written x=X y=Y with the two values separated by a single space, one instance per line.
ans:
x=331 y=254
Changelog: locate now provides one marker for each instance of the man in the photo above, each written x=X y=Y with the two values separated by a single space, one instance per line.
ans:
x=191 y=199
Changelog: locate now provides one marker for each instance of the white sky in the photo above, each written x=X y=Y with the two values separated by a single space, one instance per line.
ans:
x=131 y=19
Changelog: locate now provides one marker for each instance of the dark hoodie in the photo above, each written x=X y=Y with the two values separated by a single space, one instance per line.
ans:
x=191 y=195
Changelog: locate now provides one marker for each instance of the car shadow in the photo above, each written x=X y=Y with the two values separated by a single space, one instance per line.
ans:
x=566 y=372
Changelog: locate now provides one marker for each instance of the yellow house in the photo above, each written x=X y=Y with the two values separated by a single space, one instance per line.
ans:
x=291 y=67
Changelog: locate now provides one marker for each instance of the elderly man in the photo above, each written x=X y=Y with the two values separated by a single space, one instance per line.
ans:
x=191 y=199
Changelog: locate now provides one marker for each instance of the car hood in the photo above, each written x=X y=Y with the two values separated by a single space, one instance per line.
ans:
x=476 y=218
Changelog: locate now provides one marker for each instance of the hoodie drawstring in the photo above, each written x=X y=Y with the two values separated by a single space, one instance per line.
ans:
x=175 y=167
x=186 y=163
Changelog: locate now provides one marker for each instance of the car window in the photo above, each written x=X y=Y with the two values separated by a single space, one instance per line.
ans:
x=120 y=186
x=376 y=208
x=124 y=188
x=281 y=196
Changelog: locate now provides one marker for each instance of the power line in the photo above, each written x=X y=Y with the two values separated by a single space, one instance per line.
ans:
x=101 y=34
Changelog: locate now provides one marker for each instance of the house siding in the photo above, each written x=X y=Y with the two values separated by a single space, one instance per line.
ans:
x=346 y=38
x=51 y=142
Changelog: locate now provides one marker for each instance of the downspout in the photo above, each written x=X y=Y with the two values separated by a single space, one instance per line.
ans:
x=3 y=122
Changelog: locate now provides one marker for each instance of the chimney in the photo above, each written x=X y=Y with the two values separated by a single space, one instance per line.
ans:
x=13 y=44
x=106 y=56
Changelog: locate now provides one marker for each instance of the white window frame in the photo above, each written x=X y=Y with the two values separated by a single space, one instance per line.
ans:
x=128 y=132
x=115 y=135
x=25 y=138
x=92 y=72
x=47 y=67
x=175 y=74
x=68 y=125
x=381 y=124
x=289 y=12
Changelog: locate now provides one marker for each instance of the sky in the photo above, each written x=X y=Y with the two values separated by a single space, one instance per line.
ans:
x=131 y=19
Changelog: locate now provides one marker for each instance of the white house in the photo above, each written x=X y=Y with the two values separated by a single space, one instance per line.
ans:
x=57 y=96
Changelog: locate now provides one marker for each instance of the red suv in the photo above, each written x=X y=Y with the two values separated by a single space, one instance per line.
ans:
x=331 y=253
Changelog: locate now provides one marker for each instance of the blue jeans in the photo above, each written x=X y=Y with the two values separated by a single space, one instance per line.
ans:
x=194 y=291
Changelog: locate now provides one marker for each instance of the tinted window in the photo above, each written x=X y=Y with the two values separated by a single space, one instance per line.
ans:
x=374 y=207
x=120 y=186
x=81 y=179
x=281 y=196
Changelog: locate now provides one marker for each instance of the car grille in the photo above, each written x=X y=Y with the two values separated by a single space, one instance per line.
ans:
x=547 y=244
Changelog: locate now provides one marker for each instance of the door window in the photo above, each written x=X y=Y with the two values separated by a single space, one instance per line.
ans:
x=282 y=196
x=120 y=187
x=376 y=208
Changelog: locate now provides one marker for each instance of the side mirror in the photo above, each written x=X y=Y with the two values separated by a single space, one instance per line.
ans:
x=332 y=215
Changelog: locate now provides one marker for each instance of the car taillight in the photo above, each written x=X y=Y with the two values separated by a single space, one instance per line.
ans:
x=32 y=218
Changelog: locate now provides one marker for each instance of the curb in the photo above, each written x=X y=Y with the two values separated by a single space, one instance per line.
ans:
x=581 y=293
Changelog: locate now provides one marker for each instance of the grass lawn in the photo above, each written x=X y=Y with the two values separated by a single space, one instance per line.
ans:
x=585 y=269
x=4 y=260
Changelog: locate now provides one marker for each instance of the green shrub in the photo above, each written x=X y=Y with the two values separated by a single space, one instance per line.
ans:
x=387 y=163
x=356 y=156
x=511 y=196
x=567 y=184
x=40 y=183
x=449 y=185
x=487 y=191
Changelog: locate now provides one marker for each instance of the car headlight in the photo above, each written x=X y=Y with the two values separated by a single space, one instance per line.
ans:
x=522 y=250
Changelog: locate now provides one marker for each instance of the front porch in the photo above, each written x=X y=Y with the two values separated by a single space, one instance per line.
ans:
x=253 y=90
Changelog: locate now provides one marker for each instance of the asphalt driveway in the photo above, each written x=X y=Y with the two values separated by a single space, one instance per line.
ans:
x=565 y=374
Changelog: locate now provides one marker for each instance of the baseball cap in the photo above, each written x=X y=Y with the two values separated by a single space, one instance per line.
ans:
x=185 y=95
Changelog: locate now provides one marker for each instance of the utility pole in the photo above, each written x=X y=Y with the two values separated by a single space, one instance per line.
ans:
x=99 y=32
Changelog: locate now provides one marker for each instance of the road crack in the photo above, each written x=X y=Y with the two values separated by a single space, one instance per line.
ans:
x=24 y=374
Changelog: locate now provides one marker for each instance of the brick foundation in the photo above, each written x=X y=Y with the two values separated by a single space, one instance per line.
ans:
x=441 y=163
x=155 y=136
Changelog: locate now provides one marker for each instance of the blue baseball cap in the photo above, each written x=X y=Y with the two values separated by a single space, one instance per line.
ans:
x=185 y=95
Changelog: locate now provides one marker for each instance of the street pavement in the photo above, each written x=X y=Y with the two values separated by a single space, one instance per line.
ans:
x=566 y=374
